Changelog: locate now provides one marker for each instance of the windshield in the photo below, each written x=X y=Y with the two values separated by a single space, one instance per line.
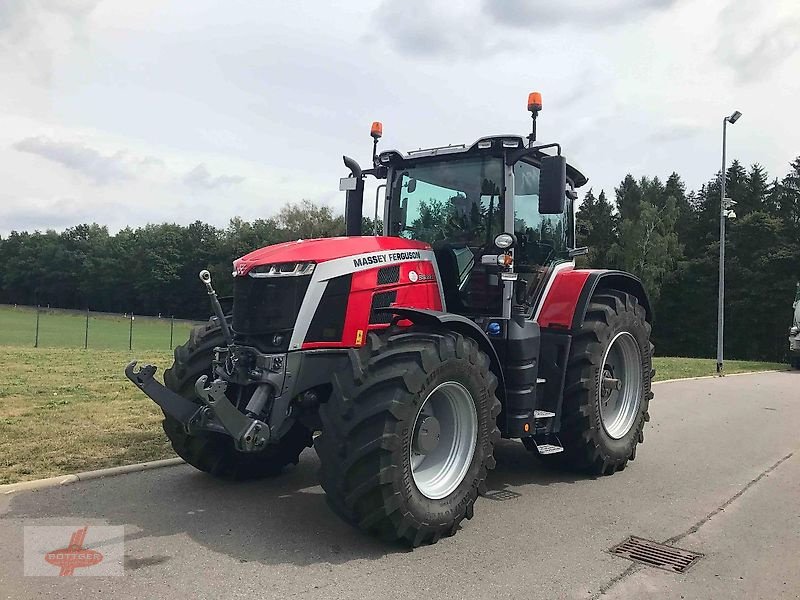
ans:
x=456 y=205
x=456 y=200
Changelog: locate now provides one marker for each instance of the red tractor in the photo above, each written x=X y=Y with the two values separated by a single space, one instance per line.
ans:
x=403 y=358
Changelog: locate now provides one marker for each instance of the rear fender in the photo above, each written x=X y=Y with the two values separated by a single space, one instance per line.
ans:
x=610 y=280
x=567 y=301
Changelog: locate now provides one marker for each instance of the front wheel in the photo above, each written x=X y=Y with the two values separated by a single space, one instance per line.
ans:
x=607 y=386
x=408 y=435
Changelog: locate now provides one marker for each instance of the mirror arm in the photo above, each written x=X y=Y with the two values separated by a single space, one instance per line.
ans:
x=514 y=157
x=582 y=251
x=377 y=172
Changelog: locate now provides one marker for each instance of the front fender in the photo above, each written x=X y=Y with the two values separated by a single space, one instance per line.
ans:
x=459 y=324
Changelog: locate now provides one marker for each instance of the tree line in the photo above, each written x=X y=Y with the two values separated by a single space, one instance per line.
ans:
x=148 y=270
x=670 y=238
x=657 y=230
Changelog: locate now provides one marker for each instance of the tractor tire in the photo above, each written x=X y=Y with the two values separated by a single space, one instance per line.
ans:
x=602 y=424
x=211 y=452
x=408 y=435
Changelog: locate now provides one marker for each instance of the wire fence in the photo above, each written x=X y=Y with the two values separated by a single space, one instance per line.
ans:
x=41 y=326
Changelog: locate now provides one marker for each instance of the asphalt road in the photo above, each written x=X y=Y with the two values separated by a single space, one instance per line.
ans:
x=719 y=473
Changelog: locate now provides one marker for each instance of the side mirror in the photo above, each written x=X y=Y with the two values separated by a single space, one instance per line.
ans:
x=412 y=185
x=552 y=185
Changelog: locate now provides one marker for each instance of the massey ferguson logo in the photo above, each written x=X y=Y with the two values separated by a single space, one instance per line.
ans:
x=376 y=259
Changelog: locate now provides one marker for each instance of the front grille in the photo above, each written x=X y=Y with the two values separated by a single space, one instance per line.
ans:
x=267 y=305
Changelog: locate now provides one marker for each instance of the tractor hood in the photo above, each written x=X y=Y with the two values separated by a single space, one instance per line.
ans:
x=322 y=250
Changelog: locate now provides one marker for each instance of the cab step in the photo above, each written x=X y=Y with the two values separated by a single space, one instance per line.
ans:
x=543 y=414
x=548 y=449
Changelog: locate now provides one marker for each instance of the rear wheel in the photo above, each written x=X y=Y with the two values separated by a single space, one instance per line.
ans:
x=607 y=386
x=795 y=362
x=408 y=435
x=211 y=452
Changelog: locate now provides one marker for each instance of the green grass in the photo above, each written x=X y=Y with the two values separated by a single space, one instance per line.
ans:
x=66 y=410
x=681 y=368
x=62 y=329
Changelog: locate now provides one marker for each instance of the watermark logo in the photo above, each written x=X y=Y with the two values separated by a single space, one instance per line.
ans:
x=93 y=550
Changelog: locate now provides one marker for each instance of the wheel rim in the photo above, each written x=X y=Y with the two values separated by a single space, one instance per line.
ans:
x=620 y=385
x=443 y=440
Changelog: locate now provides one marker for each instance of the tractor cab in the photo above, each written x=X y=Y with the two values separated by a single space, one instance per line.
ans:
x=499 y=215
x=489 y=215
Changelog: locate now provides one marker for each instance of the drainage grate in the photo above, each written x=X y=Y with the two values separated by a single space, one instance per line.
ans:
x=656 y=555
x=501 y=495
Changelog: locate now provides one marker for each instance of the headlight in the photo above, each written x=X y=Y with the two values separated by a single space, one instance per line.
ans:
x=504 y=241
x=282 y=270
x=794 y=331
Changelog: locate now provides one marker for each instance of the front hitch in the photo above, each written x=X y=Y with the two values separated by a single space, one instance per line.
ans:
x=249 y=435
x=189 y=414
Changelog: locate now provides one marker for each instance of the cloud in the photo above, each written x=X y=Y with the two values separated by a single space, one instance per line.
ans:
x=533 y=15
x=770 y=40
x=434 y=28
x=200 y=177
x=675 y=131
x=33 y=32
x=49 y=213
x=151 y=161
x=78 y=157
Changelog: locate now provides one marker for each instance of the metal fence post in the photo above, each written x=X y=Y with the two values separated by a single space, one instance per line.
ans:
x=171 y=329
x=86 y=333
x=36 y=341
x=130 y=335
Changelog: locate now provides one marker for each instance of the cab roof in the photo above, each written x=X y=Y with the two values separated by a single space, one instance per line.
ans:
x=495 y=142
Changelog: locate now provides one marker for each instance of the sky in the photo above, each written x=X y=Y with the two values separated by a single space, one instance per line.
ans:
x=124 y=113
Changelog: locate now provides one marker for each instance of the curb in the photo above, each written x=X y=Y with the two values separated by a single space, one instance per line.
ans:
x=716 y=377
x=39 y=484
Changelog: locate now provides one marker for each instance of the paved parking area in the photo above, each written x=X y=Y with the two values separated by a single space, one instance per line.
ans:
x=719 y=473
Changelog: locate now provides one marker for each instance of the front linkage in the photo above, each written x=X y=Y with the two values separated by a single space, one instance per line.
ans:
x=241 y=365
x=216 y=414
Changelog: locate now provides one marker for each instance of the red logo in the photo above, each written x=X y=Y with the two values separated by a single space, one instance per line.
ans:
x=74 y=555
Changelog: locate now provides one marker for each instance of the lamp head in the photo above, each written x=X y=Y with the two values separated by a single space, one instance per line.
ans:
x=534 y=102
x=734 y=117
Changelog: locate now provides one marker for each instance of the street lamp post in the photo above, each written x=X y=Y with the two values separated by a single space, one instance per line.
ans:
x=722 y=207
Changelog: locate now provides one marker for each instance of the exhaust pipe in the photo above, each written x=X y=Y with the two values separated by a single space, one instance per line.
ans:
x=354 y=199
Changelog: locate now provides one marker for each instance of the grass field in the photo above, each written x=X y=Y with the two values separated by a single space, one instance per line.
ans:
x=69 y=410
x=65 y=410
x=67 y=329
x=669 y=367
